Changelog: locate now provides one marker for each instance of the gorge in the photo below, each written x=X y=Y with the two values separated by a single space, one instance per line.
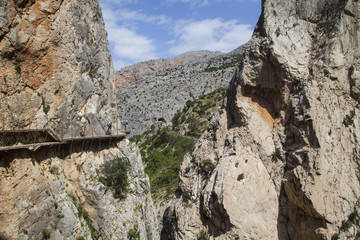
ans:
x=278 y=160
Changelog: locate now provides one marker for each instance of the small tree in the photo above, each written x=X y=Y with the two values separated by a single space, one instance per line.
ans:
x=207 y=167
x=203 y=235
x=115 y=175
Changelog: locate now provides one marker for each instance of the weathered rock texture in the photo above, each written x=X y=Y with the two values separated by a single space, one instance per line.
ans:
x=158 y=88
x=56 y=67
x=285 y=146
x=56 y=71
x=53 y=188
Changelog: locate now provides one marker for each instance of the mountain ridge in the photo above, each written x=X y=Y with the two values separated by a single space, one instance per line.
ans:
x=142 y=101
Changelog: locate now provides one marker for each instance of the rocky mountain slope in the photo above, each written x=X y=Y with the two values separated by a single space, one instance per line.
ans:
x=285 y=146
x=164 y=145
x=57 y=72
x=159 y=88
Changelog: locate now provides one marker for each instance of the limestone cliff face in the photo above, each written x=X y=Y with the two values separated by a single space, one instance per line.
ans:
x=56 y=68
x=58 y=190
x=161 y=87
x=56 y=71
x=285 y=146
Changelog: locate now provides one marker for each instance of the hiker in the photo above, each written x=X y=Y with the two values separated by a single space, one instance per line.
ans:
x=108 y=132
x=126 y=125
x=83 y=128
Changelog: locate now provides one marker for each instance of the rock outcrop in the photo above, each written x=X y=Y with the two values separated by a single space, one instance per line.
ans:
x=56 y=67
x=159 y=88
x=285 y=146
x=56 y=192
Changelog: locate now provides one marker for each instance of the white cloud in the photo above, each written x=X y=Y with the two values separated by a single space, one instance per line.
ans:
x=210 y=34
x=130 y=45
x=127 y=45
x=130 y=15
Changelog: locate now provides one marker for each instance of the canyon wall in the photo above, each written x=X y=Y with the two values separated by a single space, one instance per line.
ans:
x=56 y=67
x=284 y=149
x=57 y=72
x=56 y=193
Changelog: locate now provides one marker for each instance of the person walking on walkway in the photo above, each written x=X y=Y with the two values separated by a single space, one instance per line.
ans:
x=83 y=128
x=108 y=132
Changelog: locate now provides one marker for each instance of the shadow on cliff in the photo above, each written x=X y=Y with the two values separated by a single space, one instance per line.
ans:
x=298 y=222
x=60 y=151
x=3 y=237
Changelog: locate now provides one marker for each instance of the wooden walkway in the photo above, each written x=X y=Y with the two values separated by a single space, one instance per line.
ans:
x=33 y=139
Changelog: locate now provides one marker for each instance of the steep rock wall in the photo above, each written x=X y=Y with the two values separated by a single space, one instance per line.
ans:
x=57 y=72
x=56 y=67
x=58 y=189
x=285 y=145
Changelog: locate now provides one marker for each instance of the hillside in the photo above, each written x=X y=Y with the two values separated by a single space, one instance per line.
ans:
x=164 y=145
x=162 y=87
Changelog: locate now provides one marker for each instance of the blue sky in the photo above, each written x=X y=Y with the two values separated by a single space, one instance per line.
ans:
x=141 y=30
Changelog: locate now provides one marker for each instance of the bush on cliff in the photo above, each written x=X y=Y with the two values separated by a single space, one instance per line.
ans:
x=114 y=176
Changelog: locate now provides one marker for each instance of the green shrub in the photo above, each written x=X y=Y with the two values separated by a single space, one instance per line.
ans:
x=17 y=65
x=175 y=120
x=203 y=235
x=45 y=233
x=115 y=175
x=134 y=233
x=186 y=196
x=207 y=167
x=80 y=238
x=46 y=109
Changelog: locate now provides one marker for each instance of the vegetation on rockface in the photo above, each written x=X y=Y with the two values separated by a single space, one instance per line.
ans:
x=46 y=233
x=194 y=119
x=203 y=235
x=228 y=61
x=84 y=214
x=349 y=228
x=163 y=148
x=134 y=233
x=114 y=175
x=163 y=153
x=17 y=66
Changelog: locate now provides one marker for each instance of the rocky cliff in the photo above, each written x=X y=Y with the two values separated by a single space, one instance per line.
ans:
x=56 y=193
x=159 y=88
x=285 y=145
x=56 y=67
x=57 y=72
